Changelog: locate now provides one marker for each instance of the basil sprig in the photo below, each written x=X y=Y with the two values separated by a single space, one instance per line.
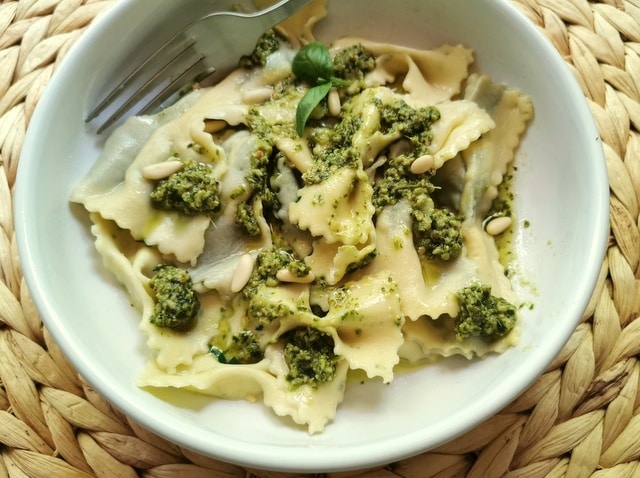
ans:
x=314 y=65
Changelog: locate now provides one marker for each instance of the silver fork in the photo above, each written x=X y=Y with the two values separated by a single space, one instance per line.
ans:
x=209 y=48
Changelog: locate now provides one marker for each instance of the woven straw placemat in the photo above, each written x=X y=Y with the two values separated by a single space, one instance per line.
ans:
x=581 y=418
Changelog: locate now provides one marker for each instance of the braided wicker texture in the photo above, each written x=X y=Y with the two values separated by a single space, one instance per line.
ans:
x=581 y=418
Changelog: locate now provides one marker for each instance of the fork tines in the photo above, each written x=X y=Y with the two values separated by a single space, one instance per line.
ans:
x=188 y=58
x=156 y=80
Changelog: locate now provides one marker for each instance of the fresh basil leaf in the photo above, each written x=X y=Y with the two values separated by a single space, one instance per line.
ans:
x=313 y=63
x=220 y=357
x=308 y=102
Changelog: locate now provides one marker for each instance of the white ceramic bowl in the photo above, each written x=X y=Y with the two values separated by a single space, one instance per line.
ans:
x=561 y=189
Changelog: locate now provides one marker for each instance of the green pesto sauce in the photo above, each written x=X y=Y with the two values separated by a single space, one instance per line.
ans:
x=309 y=355
x=259 y=177
x=412 y=123
x=483 y=315
x=362 y=263
x=436 y=231
x=261 y=306
x=353 y=63
x=264 y=310
x=335 y=148
x=269 y=262
x=270 y=132
x=242 y=348
x=339 y=298
x=266 y=45
x=503 y=206
x=176 y=304
x=246 y=218
x=436 y=234
x=191 y=191
x=331 y=139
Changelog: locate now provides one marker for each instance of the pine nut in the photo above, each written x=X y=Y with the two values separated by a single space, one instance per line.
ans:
x=498 y=225
x=162 y=170
x=214 y=125
x=242 y=274
x=285 y=275
x=333 y=102
x=422 y=164
x=257 y=95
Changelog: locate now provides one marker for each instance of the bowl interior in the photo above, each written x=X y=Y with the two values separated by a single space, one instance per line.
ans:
x=561 y=190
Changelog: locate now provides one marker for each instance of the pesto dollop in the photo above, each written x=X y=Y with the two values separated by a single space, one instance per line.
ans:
x=268 y=43
x=436 y=234
x=176 y=305
x=483 y=315
x=192 y=191
x=353 y=63
x=309 y=355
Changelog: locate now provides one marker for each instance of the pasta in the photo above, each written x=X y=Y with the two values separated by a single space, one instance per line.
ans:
x=327 y=253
